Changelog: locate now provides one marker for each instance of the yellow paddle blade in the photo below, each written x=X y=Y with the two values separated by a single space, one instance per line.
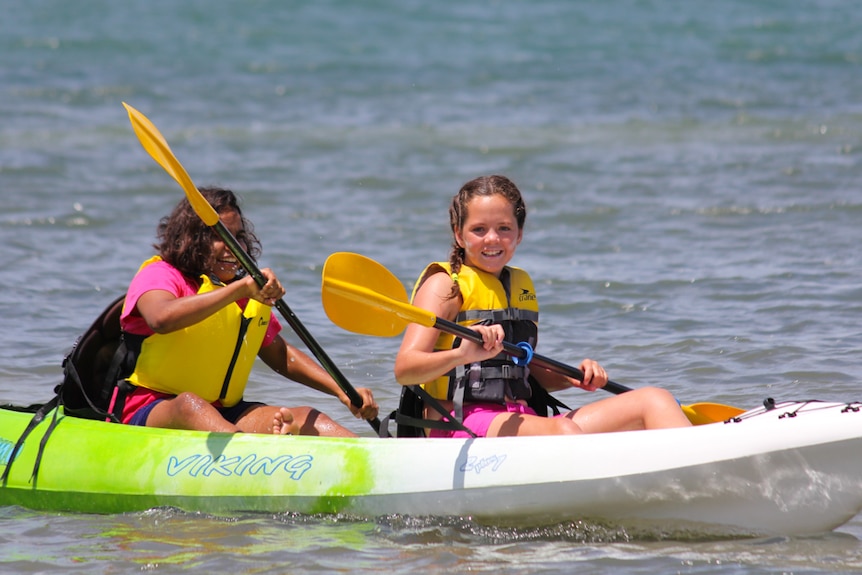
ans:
x=700 y=413
x=155 y=145
x=362 y=296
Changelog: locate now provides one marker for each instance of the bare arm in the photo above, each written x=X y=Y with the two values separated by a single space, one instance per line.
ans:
x=164 y=312
x=297 y=366
x=594 y=377
x=417 y=362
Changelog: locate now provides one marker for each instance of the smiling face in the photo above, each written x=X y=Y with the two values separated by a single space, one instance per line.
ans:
x=224 y=265
x=490 y=233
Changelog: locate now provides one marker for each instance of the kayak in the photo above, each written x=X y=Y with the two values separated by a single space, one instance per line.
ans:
x=785 y=468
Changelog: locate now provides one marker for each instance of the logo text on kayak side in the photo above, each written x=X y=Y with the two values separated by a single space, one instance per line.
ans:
x=204 y=465
x=477 y=464
x=6 y=448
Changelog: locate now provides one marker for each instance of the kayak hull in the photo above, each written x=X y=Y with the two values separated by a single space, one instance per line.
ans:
x=765 y=472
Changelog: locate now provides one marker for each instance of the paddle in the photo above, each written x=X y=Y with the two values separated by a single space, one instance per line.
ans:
x=377 y=304
x=154 y=143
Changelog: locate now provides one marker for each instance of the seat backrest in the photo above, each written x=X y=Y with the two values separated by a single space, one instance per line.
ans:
x=86 y=384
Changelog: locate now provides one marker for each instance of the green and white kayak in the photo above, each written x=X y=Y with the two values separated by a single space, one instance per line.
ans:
x=792 y=469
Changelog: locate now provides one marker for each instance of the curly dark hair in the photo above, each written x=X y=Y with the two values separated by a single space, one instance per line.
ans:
x=185 y=241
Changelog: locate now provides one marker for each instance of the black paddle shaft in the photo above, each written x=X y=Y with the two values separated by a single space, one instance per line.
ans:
x=306 y=337
x=521 y=353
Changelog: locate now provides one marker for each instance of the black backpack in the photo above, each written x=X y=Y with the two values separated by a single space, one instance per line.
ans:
x=98 y=363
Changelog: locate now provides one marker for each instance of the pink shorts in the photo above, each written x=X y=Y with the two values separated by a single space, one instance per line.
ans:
x=478 y=418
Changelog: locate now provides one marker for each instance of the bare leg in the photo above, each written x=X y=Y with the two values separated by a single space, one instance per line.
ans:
x=314 y=422
x=643 y=408
x=189 y=411
x=304 y=421
x=268 y=419
x=512 y=424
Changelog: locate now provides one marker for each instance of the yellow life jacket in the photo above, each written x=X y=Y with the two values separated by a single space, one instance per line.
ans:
x=510 y=301
x=212 y=358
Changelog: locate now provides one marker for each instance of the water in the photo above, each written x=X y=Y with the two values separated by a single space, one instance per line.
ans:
x=691 y=172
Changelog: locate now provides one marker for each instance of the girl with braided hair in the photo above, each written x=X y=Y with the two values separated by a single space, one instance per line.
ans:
x=482 y=386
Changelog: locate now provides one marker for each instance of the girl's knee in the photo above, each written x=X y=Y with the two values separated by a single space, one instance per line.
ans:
x=657 y=396
x=565 y=426
x=188 y=400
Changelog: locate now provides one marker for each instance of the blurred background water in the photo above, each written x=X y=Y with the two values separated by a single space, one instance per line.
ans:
x=691 y=175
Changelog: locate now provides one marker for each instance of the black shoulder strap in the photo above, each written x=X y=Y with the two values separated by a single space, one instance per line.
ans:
x=34 y=422
x=540 y=400
x=408 y=418
x=112 y=380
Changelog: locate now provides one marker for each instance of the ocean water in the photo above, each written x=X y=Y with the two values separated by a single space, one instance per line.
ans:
x=692 y=178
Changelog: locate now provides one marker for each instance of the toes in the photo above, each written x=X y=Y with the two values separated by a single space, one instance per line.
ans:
x=283 y=423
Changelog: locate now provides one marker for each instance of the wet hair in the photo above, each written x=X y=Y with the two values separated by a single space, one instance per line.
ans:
x=482 y=186
x=186 y=242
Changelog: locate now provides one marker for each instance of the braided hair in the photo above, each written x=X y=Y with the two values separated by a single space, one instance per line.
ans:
x=481 y=186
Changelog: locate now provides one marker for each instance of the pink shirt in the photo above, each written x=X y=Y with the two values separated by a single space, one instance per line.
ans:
x=163 y=276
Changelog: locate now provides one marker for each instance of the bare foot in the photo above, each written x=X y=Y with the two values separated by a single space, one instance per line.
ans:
x=283 y=423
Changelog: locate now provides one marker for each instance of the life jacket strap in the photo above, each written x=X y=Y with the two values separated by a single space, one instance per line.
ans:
x=498 y=315
x=410 y=416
